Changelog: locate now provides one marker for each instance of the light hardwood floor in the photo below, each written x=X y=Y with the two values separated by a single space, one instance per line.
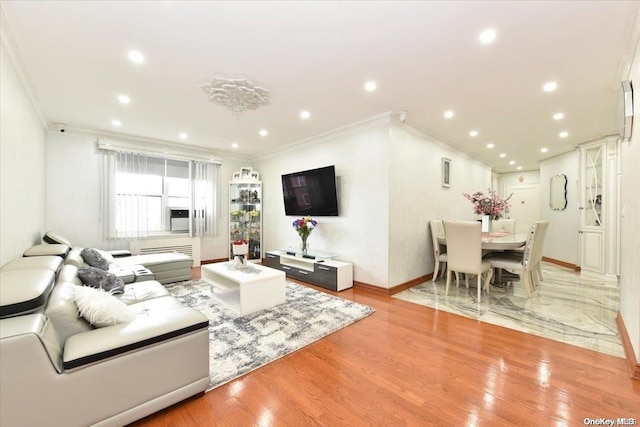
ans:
x=409 y=365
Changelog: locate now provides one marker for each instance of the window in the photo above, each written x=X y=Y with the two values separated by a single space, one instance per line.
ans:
x=145 y=193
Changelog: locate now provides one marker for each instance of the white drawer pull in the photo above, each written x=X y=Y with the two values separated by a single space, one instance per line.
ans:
x=324 y=268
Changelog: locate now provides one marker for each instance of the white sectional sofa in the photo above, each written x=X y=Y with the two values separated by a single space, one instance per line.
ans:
x=57 y=369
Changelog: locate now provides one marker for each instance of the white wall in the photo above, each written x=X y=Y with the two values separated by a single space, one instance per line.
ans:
x=22 y=164
x=360 y=233
x=562 y=239
x=629 y=221
x=417 y=197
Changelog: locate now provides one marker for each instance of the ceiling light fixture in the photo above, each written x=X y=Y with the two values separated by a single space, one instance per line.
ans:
x=544 y=149
x=234 y=145
x=136 y=57
x=473 y=133
x=564 y=134
x=550 y=86
x=370 y=86
x=237 y=95
x=304 y=115
x=519 y=168
x=512 y=162
x=558 y=116
x=263 y=132
x=448 y=114
x=116 y=123
x=490 y=145
x=503 y=155
x=124 y=99
x=487 y=36
x=183 y=135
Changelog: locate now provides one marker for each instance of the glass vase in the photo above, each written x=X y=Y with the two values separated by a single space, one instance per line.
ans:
x=303 y=246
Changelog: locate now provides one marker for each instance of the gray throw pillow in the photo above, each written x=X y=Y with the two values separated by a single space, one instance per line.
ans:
x=100 y=279
x=94 y=258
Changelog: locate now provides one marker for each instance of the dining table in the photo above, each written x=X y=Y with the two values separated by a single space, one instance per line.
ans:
x=497 y=241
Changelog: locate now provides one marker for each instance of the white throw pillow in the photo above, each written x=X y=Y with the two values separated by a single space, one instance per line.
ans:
x=100 y=308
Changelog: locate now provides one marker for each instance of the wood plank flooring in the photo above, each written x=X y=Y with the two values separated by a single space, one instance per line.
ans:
x=409 y=365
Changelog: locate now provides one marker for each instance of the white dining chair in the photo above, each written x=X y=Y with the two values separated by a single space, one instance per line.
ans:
x=541 y=234
x=524 y=263
x=439 y=250
x=504 y=225
x=464 y=253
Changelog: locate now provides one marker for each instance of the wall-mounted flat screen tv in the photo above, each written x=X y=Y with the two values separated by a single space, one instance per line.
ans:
x=311 y=192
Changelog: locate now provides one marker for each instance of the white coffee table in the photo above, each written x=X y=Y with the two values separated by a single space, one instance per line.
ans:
x=246 y=290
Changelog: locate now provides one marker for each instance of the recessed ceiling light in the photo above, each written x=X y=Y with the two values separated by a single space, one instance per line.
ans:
x=512 y=162
x=519 y=168
x=263 y=132
x=448 y=114
x=304 y=115
x=550 y=86
x=544 y=149
x=473 y=133
x=116 y=122
x=564 y=134
x=136 y=57
x=558 y=116
x=487 y=36
x=503 y=155
x=183 y=135
x=370 y=86
x=234 y=145
x=490 y=145
x=124 y=99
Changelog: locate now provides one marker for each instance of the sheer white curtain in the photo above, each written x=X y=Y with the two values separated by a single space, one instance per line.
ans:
x=205 y=198
x=125 y=207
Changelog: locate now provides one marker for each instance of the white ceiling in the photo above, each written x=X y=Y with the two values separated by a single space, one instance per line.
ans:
x=424 y=56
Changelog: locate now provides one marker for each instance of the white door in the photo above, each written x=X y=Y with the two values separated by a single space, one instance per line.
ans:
x=525 y=205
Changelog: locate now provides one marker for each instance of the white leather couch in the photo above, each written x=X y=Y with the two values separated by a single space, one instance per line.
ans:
x=56 y=369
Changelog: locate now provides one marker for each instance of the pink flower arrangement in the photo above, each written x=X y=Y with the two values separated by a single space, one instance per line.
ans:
x=491 y=204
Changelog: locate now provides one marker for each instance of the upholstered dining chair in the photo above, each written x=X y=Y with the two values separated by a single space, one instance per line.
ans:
x=541 y=234
x=464 y=253
x=526 y=262
x=504 y=225
x=439 y=250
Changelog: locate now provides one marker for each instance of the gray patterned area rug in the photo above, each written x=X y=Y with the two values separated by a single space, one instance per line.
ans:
x=241 y=344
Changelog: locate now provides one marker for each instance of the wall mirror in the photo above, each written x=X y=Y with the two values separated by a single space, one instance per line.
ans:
x=558 y=192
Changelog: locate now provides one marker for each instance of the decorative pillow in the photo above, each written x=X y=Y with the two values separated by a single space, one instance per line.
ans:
x=107 y=256
x=94 y=259
x=100 y=308
x=100 y=279
x=54 y=238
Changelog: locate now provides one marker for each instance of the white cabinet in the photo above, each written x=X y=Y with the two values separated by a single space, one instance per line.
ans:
x=245 y=216
x=598 y=207
x=318 y=270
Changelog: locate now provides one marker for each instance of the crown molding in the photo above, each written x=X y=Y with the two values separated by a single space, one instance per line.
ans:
x=11 y=42
x=147 y=145
x=378 y=120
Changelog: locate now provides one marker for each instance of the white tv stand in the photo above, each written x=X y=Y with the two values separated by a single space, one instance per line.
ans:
x=317 y=268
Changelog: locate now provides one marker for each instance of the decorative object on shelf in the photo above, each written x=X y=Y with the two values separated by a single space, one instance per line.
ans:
x=245 y=174
x=237 y=95
x=304 y=226
x=446 y=172
x=490 y=206
x=240 y=250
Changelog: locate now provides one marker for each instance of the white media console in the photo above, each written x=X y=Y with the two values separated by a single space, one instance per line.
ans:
x=316 y=268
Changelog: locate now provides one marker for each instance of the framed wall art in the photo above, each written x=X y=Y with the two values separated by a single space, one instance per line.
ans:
x=446 y=172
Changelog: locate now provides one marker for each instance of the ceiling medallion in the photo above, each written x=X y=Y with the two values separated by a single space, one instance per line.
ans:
x=237 y=95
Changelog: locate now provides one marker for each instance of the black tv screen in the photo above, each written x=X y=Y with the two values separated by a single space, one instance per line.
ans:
x=311 y=192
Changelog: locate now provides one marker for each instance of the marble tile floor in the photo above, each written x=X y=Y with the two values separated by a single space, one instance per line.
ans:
x=569 y=307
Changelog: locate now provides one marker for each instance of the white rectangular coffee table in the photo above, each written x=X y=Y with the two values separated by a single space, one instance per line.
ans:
x=246 y=290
